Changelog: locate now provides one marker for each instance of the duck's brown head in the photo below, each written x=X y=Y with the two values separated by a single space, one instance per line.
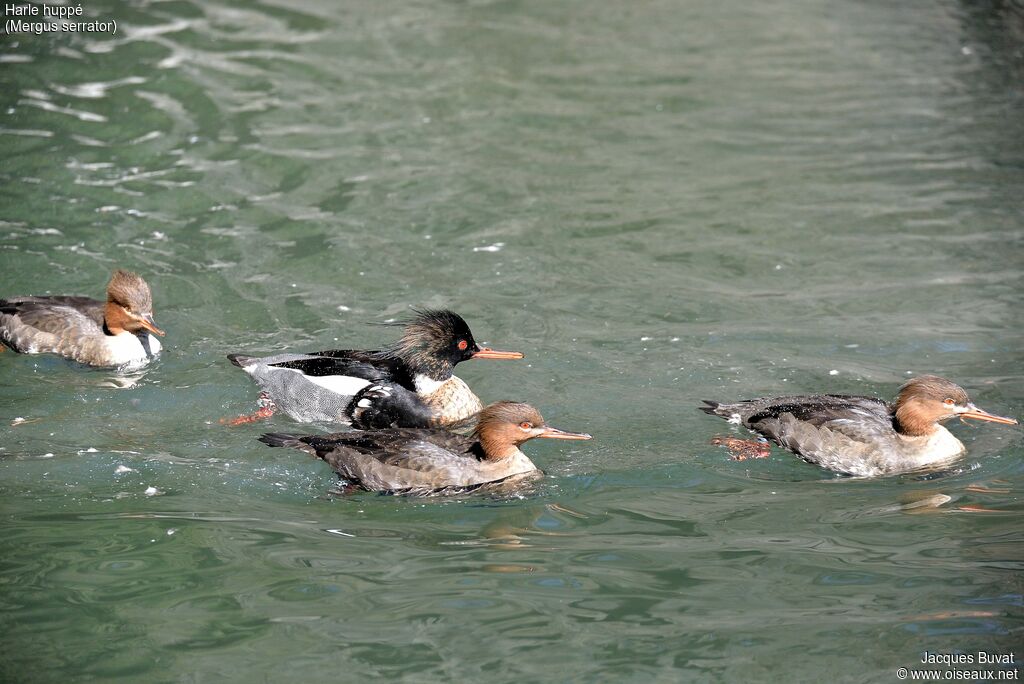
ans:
x=927 y=400
x=436 y=340
x=504 y=425
x=129 y=304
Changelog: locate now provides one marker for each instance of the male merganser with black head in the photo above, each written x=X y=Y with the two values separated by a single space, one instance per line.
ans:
x=409 y=384
x=117 y=332
x=863 y=436
x=422 y=462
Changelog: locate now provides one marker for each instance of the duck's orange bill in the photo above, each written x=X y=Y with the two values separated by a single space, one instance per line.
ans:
x=488 y=353
x=555 y=433
x=977 y=414
x=147 y=323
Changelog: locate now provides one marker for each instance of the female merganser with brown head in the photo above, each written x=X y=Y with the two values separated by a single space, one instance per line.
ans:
x=410 y=384
x=112 y=333
x=423 y=462
x=864 y=436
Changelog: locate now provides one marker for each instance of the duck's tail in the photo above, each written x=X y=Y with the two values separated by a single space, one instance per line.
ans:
x=240 y=360
x=711 y=408
x=283 y=439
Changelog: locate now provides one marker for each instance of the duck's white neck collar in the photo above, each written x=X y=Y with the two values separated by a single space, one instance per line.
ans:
x=426 y=385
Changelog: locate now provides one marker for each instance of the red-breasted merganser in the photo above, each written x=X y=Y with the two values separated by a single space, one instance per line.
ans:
x=117 y=332
x=863 y=436
x=423 y=461
x=409 y=384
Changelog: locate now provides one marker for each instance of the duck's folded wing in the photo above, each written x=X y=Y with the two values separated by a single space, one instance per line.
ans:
x=350 y=363
x=357 y=354
x=55 y=315
x=420 y=464
x=856 y=417
x=322 y=366
x=394 y=444
x=831 y=430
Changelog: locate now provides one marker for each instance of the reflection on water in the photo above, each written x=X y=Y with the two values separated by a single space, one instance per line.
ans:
x=658 y=203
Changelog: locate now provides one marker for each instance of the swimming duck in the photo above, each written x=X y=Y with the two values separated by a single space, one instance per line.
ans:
x=423 y=461
x=117 y=332
x=409 y=384
x=863 y=436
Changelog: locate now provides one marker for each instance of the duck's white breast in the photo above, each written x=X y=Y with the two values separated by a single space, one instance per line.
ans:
x=126 y=347
x=942 y=445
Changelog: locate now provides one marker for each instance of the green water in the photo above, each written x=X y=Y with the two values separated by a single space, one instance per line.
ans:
x=657 y=202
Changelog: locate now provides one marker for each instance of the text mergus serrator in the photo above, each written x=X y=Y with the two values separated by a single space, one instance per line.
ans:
x=424 y=461
x=863 y=436
x=410 y=384
x=113 y=333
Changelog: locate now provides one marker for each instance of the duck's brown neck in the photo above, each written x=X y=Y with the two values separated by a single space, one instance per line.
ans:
x=115 y=318
x=496 y=446
x=911 y=420
x=498 y=439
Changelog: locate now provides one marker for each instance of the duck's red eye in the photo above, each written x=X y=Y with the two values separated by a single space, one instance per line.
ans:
x=525 y=425
x=462 y=345
x=949 y=402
